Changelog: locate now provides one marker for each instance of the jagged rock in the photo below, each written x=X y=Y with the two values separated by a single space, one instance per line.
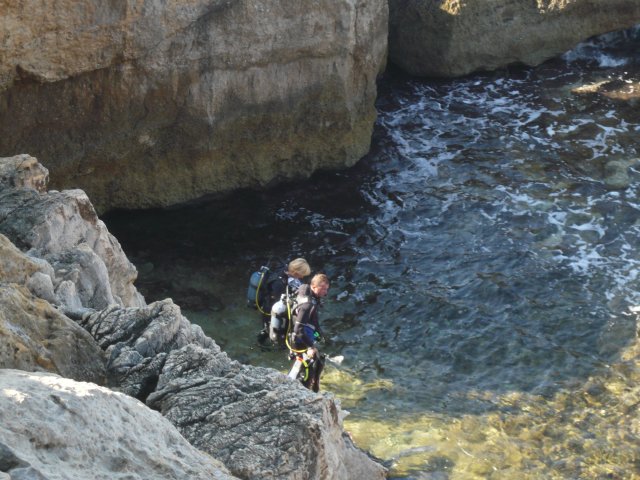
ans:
x=136 y=341
x=86 y=271
x=453 y=38
x=62 y=229
x=250 y=418
x=36 y=337
x=153 y=103
x=16 y=267
x=257 y=421
x=55 y=428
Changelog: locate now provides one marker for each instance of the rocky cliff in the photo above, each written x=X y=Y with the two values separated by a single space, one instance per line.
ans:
x=58 y=263
x=449 y=38
x=146 y=103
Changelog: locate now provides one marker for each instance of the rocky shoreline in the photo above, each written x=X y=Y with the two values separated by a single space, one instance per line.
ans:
x=61 y=270
x=155 y=103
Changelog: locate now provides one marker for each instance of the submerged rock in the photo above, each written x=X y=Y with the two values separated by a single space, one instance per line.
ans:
x=56 y=428
x=153 y=103
x=619 y=90
x=616 y=175
x=449 y=38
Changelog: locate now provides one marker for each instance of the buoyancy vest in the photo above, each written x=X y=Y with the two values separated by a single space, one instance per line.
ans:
x=305 y=328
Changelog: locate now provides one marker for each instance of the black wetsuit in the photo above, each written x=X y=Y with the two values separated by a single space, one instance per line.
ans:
x=306 y=332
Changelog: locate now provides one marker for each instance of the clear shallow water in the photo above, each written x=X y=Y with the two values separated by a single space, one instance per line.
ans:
x=484 y=260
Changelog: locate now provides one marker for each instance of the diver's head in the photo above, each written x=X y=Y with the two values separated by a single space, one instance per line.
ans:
x=320 y=285
x=298 y=268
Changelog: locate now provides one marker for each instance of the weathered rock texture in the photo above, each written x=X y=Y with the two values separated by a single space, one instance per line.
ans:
x=137 y=341
x=84 y=262
x=448 y=38
x=55 y=428
x=145 y=103
x=37 y=337
x=71 y=263
x=255 y=420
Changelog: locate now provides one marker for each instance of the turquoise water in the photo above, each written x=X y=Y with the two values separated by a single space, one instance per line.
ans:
x=484 y=259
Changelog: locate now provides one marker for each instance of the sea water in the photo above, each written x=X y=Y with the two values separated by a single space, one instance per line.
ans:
x=484 y=261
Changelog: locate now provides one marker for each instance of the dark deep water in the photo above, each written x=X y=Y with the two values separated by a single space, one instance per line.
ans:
x=484 y=259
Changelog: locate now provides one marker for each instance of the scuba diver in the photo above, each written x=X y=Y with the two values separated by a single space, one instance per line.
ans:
x=268 y=290
x=305 y=335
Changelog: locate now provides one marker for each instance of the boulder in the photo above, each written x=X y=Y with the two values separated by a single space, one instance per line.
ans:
x=56 y=428
x=450 y=38
x=136 y=341
x=153 y=103
x=257 y=421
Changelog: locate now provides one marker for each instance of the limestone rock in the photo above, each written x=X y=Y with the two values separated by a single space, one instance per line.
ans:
x=152 y=103
x=449 y=38
x=63 y=230
x=16 y=267
x=37 y=337
x=55 y=428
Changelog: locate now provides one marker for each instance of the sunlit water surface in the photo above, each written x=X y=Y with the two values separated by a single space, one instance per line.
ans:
x=484 y=260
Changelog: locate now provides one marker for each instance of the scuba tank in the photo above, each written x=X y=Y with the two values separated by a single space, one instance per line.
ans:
x=257 y=281
x=277 y=326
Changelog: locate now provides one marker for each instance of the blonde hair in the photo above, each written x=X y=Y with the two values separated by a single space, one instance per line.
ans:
x=299 y=266
x=319 y=278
